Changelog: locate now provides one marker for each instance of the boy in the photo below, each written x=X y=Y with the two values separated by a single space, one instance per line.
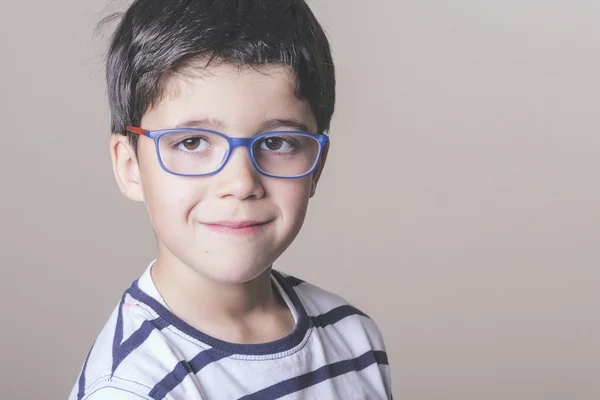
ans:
x=219 y=112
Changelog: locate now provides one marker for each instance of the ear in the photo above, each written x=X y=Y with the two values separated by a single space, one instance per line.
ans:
x=317 y=173
x=126 y=167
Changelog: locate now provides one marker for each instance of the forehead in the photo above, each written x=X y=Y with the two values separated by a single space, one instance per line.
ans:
x=229 y=97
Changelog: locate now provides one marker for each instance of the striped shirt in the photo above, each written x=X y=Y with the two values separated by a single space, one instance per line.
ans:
x=145 y=352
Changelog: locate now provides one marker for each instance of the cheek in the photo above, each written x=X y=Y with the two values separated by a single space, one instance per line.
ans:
x=291 y=197
x=170 y=205
x=169 y=198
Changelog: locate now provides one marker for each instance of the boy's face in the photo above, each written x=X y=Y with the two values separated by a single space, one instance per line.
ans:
x=196 y=218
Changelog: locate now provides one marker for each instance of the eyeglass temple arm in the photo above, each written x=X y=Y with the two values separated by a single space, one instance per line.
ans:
x=134 y=129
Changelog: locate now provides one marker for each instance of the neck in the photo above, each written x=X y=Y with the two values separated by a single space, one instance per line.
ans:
x=245 y=312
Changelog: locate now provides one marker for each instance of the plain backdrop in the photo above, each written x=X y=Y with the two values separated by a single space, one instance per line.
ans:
x=460 y=207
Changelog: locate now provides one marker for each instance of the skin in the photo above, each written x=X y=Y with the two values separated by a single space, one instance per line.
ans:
x=217 y=281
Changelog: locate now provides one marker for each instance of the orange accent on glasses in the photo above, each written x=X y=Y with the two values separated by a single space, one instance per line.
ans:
x=134 y=129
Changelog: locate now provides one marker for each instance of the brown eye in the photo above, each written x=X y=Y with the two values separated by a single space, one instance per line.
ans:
x=191 y=143
x=274 y=143
x=282 y=145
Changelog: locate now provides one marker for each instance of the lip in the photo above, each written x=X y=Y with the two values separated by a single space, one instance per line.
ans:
x=239 y=228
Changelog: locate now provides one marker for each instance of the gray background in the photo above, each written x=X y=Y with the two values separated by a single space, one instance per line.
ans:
x=460 y=206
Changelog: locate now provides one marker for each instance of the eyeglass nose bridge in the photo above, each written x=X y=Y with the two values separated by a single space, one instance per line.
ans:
x=239 y=142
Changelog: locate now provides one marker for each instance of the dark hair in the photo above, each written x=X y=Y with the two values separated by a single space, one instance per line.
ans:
x=157 y=38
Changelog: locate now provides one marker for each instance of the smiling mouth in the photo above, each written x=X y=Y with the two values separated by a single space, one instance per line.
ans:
x=237 y=227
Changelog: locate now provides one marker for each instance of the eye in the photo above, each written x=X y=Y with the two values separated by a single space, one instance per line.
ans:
x=193 y=144
x=277 y=144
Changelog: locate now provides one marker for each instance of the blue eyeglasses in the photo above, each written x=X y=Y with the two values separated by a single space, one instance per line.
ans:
x=201 y=152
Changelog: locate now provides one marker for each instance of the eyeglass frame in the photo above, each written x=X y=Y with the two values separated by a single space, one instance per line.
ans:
x=155 y=135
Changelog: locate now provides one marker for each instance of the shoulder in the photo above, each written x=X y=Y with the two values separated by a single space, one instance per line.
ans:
x=117 y=366
x=342 y=331
x=315 y=299
x=318 y=301
x=331 y=312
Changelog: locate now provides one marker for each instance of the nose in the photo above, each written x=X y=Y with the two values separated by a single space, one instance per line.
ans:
x=239 y=178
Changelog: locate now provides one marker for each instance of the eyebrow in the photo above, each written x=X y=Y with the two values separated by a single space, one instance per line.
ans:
x=269 y=125
x=201 y=123
x=294 y=124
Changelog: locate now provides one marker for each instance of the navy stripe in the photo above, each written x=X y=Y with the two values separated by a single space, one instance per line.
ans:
x=118 y=337
x=136 y=340
x=284 y=344
x=183 y=368
x=81 y=391
x=335 y=315
x=293 y=281
x=324 y=373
